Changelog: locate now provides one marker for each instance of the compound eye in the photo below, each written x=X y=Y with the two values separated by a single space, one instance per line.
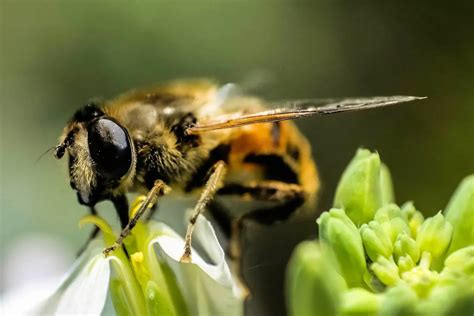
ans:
x=109 y=147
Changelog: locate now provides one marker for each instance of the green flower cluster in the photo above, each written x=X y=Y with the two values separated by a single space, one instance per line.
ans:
x=139 y=284
x=376 y=258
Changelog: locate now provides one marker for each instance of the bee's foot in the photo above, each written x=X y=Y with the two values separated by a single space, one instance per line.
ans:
x=107 y=251
x=186 y=257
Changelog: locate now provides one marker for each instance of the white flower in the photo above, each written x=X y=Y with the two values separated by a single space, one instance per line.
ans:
x=150 y=281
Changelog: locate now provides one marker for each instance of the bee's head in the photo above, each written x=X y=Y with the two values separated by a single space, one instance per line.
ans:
x=101 y=155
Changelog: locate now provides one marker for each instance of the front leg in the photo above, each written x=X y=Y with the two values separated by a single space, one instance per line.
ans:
x=159 y=188
x=212 y=184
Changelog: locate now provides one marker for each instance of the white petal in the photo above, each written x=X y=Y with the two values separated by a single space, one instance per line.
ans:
x=207 y=287
x=34 y=265
x=83 y=290
x=13 y=302
x=88 y=292
x=109 y=308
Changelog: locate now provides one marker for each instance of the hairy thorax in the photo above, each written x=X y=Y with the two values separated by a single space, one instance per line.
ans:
x=162 y=149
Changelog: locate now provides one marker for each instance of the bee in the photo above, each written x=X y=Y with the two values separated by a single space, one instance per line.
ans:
x=195 y=135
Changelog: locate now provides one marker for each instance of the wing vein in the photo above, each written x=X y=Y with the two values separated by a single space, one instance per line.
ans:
x=288 y=110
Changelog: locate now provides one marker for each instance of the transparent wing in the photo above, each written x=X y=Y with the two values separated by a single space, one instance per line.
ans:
x=288 y=110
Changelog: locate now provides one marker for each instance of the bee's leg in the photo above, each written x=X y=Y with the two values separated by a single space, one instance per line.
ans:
x=290 y=201
x=159 y=188
x=263 y=216
x=92 y=235
x=290 y=198
x=212 y=184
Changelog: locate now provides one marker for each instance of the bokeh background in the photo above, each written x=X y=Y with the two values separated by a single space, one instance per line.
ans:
x=55 y=56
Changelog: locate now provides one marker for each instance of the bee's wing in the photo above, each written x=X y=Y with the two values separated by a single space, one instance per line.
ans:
x=288 y=110
x=218 y=101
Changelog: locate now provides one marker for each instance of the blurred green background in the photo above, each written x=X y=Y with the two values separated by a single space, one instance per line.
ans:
x=55 y=56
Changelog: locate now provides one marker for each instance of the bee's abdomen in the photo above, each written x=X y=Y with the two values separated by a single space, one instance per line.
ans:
x=272 y=151
x=274 y=167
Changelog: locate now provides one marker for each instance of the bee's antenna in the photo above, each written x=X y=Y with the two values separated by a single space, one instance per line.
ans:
x=44 y=154
x=60 y=149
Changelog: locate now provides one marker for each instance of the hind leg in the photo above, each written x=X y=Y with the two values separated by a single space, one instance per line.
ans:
x=210 y=189
x=265 y=191
x=289 y=197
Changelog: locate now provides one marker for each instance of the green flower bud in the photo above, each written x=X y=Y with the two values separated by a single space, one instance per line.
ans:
x=413 y=217
x=405 y=263
x=398 y=227
x=359 y=191
x=386 y=271
x=462 y=300
x=314 y=287
x=420 y=278
x=388 y=212
x=399 y=301
x=460 y=213
x=434 y=236
x=415 y=224
x=358 y=301
x=461 y=260
x=386 y=184
x=392 y=221
x=405 y=245
x=340 y=233
x=376 y=241
x=455 y=290
x=463 y=303
x=416 y=266
x=453 y=294
x=373 y=283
